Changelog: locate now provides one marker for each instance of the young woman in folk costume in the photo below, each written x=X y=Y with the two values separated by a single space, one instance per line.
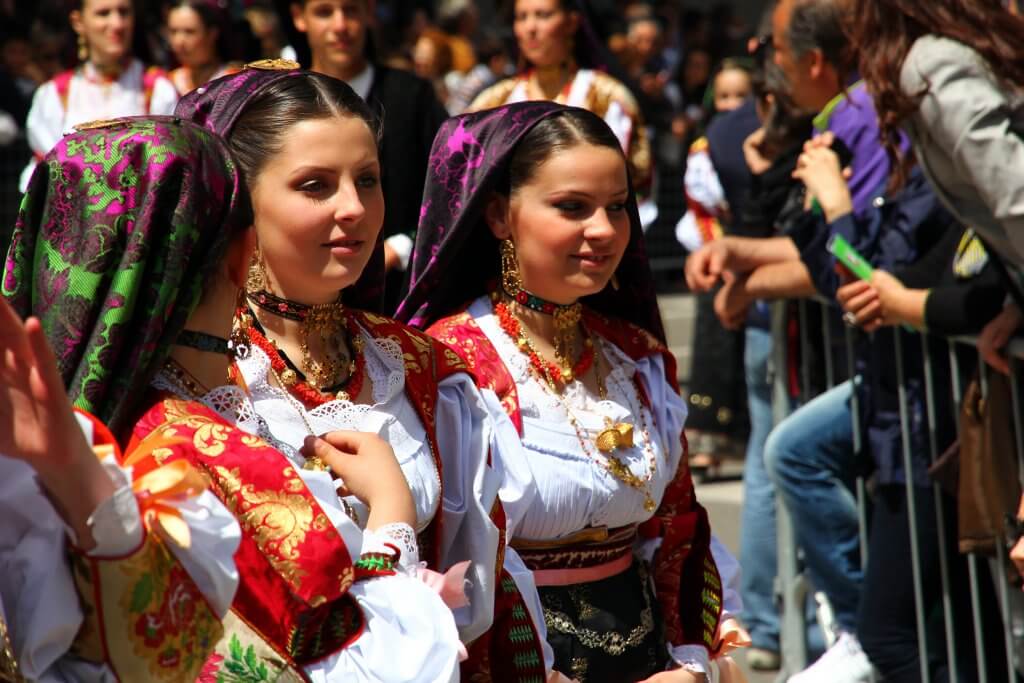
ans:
x=200 y=552
x=554 y=310
x=564 y=61
x=320 y=360
x=108 y=82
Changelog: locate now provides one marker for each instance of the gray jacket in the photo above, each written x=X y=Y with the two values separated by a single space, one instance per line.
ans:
x=968 y=135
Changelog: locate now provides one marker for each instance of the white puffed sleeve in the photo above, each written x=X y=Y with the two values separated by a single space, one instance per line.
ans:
x=465 y=434
x=36 y=587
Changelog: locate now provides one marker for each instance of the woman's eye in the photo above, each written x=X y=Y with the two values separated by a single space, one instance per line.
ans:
x=617 y=208
x=569 y=207
x=368 y=181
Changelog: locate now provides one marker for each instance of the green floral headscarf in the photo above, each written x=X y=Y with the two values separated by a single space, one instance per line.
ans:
x=120 y=228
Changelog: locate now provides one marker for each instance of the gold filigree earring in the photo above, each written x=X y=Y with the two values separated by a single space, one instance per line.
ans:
x=257 y=280
x=511 y=281
x=83 y=49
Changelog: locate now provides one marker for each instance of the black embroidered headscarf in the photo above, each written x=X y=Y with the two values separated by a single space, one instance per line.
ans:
x=456 y=256
x=219 y=104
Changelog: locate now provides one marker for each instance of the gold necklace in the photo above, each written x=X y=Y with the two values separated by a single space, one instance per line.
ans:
x=612 y=437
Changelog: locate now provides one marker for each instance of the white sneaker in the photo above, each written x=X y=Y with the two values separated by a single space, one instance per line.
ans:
x=844 y=662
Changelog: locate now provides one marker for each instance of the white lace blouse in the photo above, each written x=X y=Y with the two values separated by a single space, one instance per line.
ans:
x=554 y=486
x=470 y=425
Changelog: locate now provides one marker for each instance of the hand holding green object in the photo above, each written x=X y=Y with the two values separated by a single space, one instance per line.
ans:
x=849 y=257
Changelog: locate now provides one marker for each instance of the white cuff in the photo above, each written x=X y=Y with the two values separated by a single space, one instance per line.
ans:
x=402 y=245
x=116 y=523
x=693 y=658
x=398 y=534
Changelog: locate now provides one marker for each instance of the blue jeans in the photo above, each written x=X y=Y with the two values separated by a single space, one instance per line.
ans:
x=757 y=526
x=810 y=457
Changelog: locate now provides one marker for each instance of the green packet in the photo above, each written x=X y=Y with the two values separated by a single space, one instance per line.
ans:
x=849 y=257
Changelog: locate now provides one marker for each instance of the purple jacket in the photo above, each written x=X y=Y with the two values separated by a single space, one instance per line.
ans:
x=851 y=116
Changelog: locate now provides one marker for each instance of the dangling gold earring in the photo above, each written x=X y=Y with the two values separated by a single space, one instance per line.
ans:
x=83 y=49
x=615 y=282
x=257 y=280
x=511 y=281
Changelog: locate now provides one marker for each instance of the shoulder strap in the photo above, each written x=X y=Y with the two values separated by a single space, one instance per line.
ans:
x=149 y=78
x=62 y=82
x=462 y=333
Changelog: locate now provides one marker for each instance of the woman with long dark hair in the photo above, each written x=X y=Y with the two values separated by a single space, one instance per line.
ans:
x=950 y=73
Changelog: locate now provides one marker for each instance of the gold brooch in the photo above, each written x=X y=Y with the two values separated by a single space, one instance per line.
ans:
x=619 y=435
x=273 y=65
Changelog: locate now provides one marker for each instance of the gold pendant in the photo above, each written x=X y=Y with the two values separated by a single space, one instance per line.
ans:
x=619 y=435
x=649 y=503
x=343 y=396
x=289 y=378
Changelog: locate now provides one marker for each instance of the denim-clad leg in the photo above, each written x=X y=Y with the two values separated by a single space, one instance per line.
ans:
x=757 y=530
x=810 y=458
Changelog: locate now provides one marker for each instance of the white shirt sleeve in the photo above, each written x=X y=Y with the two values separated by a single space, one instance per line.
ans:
x=465 y=434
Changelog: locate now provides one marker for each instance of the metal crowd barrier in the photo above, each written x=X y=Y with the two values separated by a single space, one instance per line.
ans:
x=793 y=586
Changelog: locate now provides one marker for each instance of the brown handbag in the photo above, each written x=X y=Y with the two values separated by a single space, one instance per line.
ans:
x=989 y=482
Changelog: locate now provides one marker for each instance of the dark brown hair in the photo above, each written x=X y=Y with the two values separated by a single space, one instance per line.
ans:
x=212 y=16
x=256 y=136
x=885 y=30
x=556 y=133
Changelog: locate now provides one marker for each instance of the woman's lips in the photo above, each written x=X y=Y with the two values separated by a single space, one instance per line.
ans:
x=593 y=260
x=344 y=247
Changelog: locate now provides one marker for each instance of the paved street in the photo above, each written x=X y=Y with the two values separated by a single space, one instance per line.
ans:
x=722 y=498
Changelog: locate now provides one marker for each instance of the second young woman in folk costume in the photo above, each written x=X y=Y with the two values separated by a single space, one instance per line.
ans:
x=201 y=552
x=563 y=61
x=530 y=262
x=108 y=82
x=320 y=360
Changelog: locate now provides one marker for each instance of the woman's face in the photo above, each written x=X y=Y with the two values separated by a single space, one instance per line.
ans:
x=319 y=208
x=193 y=43
x=107 y=27
x=544 y=31
x=569 y=222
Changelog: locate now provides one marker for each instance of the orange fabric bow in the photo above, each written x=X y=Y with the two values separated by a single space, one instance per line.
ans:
x=157 y=487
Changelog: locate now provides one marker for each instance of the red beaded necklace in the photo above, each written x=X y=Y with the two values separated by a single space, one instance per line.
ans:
x=299 y=387
x=555 y=376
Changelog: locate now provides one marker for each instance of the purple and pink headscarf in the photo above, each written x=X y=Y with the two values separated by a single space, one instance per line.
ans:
x=456 y=256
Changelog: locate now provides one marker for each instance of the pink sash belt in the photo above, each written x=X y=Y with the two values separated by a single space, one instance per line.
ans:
x=569 y=577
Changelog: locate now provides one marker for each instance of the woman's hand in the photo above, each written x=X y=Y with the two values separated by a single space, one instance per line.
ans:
x=818 y=169
x=370 y=472
x=996 y=335
x=883 y=301
x=38 y=426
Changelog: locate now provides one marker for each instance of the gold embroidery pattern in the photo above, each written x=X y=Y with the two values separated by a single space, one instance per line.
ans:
x=579 y=669
x=612 y=642
x=278 y=521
